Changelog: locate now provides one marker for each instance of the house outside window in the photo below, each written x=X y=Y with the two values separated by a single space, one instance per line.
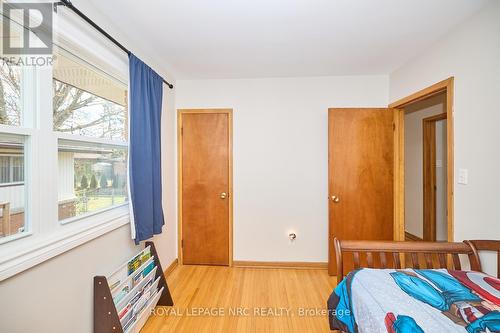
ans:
x=88 y=104
x=11 y=166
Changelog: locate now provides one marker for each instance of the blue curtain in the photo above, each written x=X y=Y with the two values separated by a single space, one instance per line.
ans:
x=146 y=90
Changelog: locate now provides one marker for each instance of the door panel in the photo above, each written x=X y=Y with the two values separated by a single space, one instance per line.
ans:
x=205 y=188
x=361 y=153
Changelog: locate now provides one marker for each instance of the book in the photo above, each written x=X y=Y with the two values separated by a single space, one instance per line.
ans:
x=128 y=268
x=132 y=280
x=124 y=311
x=132 y=291
x=138 y=260
x=121 y=294
x=134 y=288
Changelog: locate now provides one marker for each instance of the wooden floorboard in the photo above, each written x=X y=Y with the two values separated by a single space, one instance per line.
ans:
x=208 y=298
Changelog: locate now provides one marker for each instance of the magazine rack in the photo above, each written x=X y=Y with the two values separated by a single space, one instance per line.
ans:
x=106 y=314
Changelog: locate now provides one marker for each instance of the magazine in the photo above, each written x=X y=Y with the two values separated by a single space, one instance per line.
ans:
x=115 y=279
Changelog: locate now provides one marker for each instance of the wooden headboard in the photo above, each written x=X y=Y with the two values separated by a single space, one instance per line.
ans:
x=392 y=254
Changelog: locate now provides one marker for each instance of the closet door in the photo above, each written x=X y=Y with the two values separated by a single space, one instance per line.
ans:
x=360 y=158
x=205 y=190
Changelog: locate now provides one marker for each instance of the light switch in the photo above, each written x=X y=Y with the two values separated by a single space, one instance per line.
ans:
x=463 y=176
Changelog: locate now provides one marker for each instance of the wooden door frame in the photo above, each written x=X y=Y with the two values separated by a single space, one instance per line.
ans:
x=180 y=113
x=429 y=175
x=445 y=86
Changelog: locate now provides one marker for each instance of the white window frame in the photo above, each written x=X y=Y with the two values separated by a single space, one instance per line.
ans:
x=45 y=236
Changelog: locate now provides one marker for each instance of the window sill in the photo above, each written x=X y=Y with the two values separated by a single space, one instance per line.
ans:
x=14 y=237
x=12 y=184
x=28 y=256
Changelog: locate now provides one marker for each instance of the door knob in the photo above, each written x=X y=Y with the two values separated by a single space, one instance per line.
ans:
x=335 y=199
x=223 y=195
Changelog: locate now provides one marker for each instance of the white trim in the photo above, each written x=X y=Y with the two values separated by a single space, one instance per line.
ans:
x=14 y=237
x=50 y=248
x=11 y=184
x=6 y=130
x=129 y=180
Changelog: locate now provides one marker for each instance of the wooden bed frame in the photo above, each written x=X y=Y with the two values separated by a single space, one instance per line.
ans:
x=392 y=254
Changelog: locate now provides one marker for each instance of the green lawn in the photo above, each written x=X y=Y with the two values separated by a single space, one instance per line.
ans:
x=100 y=202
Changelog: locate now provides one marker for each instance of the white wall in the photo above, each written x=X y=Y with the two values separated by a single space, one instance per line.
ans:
x=56 y=296
x=414 y=176
x=281 y=156
x=470 y=53
x=166 y=242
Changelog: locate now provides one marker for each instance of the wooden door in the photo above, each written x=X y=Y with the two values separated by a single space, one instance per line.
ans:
x=205 y=198
x=361 y=168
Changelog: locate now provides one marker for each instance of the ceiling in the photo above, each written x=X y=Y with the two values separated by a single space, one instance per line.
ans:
x=199 y=39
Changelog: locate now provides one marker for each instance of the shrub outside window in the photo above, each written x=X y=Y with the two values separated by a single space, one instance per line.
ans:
x=89 y=105
x=92 y=177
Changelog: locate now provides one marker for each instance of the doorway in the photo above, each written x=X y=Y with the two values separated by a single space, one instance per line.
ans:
x=425 y=169
x=423 y=201
x=205 y=186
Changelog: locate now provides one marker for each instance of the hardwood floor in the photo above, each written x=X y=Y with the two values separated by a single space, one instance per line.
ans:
x=223 y=299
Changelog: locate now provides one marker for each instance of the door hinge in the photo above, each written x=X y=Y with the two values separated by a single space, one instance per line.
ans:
x=182 y=243
x=393 y=126
x=182 y=130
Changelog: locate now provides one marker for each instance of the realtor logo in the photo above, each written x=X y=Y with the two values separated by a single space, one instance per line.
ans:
x=27 y=28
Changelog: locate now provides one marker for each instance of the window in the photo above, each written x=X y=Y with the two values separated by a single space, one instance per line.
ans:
x=10 y=94
x=92 y=177
x=12 y=191
x=63 y=147
x=15 y=133
x=88 y=104
x=86 y=101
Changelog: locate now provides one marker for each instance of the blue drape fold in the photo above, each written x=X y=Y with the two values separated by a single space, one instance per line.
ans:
x=146 y=93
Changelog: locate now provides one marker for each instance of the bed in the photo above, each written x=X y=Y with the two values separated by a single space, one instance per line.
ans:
x=401 y=287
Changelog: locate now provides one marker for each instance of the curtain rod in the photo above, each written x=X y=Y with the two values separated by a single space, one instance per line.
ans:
x=68 y=4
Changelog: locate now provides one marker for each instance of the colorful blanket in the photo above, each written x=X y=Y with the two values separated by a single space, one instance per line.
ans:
x=415 y=300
